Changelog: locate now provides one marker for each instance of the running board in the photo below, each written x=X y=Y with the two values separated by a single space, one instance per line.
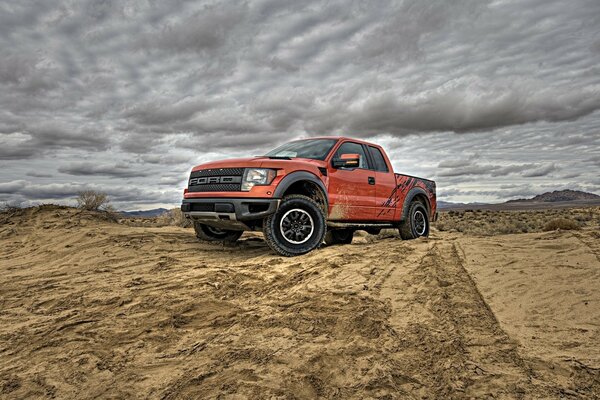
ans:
x=359 y=225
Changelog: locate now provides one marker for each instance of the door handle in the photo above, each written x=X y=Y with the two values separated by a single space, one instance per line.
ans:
x=371 y=180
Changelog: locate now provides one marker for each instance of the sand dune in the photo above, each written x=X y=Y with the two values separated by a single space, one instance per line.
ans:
x=95 y=309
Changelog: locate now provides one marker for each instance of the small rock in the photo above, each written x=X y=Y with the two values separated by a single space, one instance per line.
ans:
x=570 y=392
x=443 y=283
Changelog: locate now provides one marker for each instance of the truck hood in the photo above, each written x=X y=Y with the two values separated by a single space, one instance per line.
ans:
x=264 y=162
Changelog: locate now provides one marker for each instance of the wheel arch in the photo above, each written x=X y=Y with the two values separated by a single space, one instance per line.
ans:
x=305 y=183
x=418 y=194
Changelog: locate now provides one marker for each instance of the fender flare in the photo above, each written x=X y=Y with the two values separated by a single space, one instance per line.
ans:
x=409 y=198
x=298 y=176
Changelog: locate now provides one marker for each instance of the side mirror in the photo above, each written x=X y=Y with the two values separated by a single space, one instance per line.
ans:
x=347 y=161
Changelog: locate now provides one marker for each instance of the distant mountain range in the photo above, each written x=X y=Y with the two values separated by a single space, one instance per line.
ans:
x=558 y=198
x=155 y=212
x=448 y=204
x=559 y=195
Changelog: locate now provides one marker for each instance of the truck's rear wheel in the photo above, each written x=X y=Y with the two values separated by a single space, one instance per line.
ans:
x=296 y=228
x=416 y=223
x=339 y=236
x=212 y=234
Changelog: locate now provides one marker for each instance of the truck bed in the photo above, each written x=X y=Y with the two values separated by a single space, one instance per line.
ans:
x=404 y=185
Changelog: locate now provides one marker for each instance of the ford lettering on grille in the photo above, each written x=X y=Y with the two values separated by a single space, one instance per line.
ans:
x=213 y=180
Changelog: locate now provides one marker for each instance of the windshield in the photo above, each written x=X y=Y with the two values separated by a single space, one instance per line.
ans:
x=317 y=149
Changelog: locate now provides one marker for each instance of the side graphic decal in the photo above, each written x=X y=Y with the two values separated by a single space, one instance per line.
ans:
x=404 y=185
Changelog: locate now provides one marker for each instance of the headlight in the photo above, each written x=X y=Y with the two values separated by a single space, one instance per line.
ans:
x=257 y=176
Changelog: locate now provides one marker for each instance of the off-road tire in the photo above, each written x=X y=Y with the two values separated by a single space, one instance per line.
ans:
x=339 y=236
x=416 y=223
x=296 y=212
x=210 y=234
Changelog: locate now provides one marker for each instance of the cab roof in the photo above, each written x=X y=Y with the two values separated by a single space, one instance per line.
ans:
x=341 y=138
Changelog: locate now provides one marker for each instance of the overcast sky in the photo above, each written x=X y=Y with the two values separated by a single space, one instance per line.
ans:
x=494 y=100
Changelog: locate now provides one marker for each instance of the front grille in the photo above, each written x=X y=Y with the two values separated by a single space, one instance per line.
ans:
x=204 y=185
x=218 y=172
x=217 y=187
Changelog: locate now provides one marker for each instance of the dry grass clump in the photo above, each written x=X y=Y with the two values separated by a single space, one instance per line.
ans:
x=488 y=222
x=562 y=224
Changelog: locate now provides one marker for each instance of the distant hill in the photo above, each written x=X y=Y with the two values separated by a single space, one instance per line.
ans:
x=557 y=199
x=443 y=205
x=155 y=212
x=559 y=195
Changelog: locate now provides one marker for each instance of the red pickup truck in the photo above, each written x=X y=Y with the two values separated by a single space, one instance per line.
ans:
x=307 y=192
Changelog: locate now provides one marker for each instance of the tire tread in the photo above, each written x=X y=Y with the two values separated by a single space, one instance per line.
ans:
x=269 y=234
x=406 y=229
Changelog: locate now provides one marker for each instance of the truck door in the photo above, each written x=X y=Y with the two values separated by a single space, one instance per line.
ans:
x=385 y=187
x=351 y=190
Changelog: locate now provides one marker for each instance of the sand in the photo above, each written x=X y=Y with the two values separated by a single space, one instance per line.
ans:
x=94 y=309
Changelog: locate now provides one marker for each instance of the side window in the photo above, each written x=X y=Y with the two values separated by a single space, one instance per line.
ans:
x=353 y=148
x=378 y=159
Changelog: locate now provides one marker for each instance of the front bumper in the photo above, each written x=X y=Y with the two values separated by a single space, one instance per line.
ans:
x=228 y=213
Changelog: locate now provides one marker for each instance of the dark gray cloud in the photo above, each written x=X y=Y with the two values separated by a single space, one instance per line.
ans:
x=120 y=170
x=51 y=136
x=38 y=175
x=465 y=108
x=470 y=169
x=476 y=94
x=165 y=112
x=464 y=168
x=26 y=191
x=541 y=171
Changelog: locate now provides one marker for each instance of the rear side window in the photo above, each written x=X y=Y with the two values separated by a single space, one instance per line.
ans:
x=353 y=148
x=378 y=159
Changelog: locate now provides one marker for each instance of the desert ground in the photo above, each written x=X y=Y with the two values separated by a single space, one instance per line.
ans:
x=490 y=306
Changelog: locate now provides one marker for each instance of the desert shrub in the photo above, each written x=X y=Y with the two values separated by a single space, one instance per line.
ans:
x=504 y=229
x=511 y=222
x=522 y=226
x=584 y=217
x=9 y=208
x=91 y=200
x=111 y=213
x=441 y=225
x=561 y=223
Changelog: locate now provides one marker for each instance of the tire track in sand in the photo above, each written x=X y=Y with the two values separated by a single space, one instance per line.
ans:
x=449 y=335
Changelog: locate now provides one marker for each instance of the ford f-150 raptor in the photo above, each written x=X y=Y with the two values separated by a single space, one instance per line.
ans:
x=307 y=192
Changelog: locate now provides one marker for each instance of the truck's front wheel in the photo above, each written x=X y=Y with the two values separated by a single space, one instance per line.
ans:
x=296 y=228
x=416 y=223
x=211 y=234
